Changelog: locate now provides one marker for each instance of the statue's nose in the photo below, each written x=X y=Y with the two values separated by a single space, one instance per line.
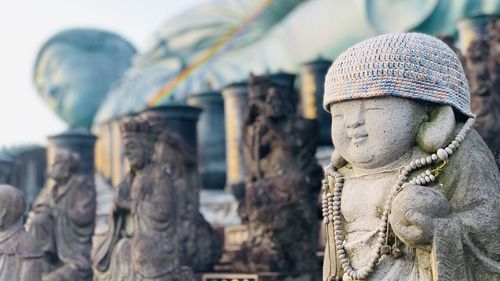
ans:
x=354 y=120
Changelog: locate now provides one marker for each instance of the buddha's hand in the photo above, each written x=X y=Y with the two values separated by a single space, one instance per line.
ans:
x=413 y=212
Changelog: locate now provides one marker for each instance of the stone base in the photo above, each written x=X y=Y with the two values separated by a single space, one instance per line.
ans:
x=263 y=276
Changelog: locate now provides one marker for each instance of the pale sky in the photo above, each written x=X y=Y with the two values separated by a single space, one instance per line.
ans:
x=24 y=27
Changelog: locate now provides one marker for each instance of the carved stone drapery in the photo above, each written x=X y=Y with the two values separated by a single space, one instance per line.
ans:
x=278 y=202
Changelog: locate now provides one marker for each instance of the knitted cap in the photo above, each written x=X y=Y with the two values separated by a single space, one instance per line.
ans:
x=408 y=65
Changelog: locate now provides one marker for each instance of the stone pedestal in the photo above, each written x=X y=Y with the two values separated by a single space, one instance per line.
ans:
x=211 y=139
x=312 y=76
x=6 y=166
x=265 y=276
x=235 y=102
x=284 y=79
x=176 y=118
x=80 y=141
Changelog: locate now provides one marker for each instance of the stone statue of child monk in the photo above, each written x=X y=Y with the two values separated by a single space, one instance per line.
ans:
x=413 y=192
x=20 y=257
x=63 y=219
x=141 y=243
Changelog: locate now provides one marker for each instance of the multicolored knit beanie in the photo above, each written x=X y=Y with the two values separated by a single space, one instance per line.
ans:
x=408 y=65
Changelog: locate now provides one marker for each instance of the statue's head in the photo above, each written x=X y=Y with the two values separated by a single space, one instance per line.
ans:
x=75 y=69
x=65 y=164
x=139 y=141
x=12 y=206
x=392 y=92
x=275 y=99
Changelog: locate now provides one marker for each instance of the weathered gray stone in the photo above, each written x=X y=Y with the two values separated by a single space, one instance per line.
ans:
x=20 y=256
x=413 y=192
x=142 y=242
x=458 y=214
x=278 y=202
x=62 y=220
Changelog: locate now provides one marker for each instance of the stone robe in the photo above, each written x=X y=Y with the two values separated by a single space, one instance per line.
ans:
x=63 y=221
x=140 y=243
x=20 y=258
x=282 y=179
x=466 y=243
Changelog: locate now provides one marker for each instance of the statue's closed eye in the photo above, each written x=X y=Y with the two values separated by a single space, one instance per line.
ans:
x=374 y=108
x=338 y=115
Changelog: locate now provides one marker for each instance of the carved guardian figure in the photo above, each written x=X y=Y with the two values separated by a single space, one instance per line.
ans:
x=142 y=240
x=20 y=256
x=62 y=220
x=279 y=200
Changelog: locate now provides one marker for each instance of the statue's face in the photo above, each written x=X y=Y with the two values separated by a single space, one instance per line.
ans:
x=273 y=99
x=74 y=82
x=372 y=133
x=136 y=151
x=60 y=170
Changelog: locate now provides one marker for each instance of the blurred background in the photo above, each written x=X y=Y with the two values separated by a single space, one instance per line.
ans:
x=26 y=25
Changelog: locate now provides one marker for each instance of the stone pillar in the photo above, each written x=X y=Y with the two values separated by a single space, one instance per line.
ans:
x=284 y=79
x=80 y=141
x=6 y=166
x=211 y=139
x=235 y=102
x=176 y=118
x=312 y=76
x=470 y=29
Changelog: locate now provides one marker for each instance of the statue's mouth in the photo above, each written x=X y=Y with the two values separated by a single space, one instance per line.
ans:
x=359 y=138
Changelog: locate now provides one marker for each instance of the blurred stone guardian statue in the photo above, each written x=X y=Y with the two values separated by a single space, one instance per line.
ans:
x=483 y=69
x=278 y=202
x=199 y=245
x=62 y=220
x=141 y=243
x=75 y=69
x=20 y=256
x=413 y=192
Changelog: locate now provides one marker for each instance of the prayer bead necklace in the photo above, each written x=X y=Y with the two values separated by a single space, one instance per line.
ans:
x=331 y=202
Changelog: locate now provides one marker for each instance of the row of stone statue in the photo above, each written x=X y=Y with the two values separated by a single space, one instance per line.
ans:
x=438 y=222
x=155 y=230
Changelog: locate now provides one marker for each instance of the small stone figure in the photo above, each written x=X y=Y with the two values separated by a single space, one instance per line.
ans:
x=413 y=192
x=199 y=245
x=20 y=257
x=141 y=243
x=279 y=200
x=63 y=219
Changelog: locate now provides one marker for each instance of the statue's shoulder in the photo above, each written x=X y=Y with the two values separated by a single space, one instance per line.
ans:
x=80 y=180
x=25 y=245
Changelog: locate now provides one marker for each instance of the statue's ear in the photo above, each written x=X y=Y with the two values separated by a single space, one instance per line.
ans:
x=337 y=160
x=438 y=130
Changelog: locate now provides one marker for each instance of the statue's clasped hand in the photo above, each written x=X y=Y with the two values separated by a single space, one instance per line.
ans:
x=413 y=214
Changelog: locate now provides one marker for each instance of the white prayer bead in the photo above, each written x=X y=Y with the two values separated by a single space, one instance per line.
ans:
x=449 y=150
x=442 y=154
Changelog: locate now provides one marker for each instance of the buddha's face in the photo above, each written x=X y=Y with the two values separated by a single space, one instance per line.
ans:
x=372 y=133
x=136 y=151
x=74 y=82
